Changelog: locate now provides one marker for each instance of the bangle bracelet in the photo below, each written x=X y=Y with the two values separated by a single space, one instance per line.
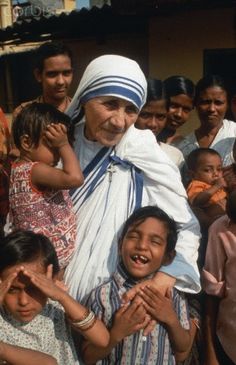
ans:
x=87 y=320
x=85 y=323
x=90 y=326
x=85 y=315
x=87 y=327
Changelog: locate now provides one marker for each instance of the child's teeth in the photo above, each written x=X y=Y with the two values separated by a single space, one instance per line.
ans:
x=141 y=258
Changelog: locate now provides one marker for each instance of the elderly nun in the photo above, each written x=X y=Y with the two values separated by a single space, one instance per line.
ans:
x=124 y=168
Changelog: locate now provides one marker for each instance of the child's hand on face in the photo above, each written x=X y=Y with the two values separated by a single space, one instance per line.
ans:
x=129 y=318
x=45 y=283
x=157 y=305
x=56 y=135
x=220 y=182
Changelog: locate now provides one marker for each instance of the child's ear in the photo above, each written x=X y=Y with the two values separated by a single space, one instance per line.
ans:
x=38 y=75
x=25 y=142
x=168 y=258
x=191 y=173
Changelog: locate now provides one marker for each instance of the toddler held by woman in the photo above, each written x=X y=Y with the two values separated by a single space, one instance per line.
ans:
x=37 y=195
x=207 y=188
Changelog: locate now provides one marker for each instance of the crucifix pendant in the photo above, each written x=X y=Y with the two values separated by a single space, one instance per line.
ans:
x=111 y=170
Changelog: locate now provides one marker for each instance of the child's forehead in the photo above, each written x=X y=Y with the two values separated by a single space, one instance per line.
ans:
x=207 y=158
x=151 y=223
x=35 y=266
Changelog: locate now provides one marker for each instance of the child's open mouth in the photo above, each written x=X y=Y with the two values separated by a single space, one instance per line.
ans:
x=139 y=259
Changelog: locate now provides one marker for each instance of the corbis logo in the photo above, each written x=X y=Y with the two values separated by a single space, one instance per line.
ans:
x=32 y=11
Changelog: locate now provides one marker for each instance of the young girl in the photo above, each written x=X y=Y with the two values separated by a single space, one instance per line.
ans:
x=218 y=279
x=35 y=312
x=37 y=199
x=180 y=93
x=153 y=116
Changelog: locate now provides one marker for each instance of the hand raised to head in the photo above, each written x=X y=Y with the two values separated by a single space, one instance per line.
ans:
x=45 y=282
x=56 y=135
x=6 y=284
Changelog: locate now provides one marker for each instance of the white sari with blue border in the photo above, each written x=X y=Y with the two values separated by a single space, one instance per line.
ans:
x=118 y=180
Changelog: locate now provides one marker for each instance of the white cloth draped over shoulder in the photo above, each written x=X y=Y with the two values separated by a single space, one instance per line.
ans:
x=118 y=180
x=102 y=210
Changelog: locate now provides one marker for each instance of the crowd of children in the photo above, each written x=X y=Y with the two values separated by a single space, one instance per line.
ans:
x=40 y=323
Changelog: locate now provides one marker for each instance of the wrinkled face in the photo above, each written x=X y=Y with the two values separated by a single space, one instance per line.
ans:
x=153 y=116
x=108 y=118
x=209 y=169
x=179 y=110
x=55 y=77
x=23 y=300
x=143 y=249
x=212 y=106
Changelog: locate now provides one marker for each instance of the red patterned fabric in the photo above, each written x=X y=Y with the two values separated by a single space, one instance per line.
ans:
x=48 y=212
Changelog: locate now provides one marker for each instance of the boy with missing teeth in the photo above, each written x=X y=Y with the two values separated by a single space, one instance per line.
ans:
x=147 y=242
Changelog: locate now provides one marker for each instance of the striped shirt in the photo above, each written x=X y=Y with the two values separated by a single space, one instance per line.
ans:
x=136 y=349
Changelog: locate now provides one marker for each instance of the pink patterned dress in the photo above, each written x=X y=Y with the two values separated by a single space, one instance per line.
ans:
x=48 y=212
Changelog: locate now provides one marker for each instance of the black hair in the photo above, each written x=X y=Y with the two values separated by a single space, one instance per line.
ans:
x=24 y=247
x=209 y=81
x=155 y=90
x=141 y=214
x=234 y=151
x=32 y=120
x=176 y=85
x=231 y=206
x=50 y=49
x=193 y=157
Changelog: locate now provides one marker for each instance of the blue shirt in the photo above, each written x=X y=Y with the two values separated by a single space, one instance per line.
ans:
x=153 y=349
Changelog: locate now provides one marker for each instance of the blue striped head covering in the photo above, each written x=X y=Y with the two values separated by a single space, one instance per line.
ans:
x=110 y=75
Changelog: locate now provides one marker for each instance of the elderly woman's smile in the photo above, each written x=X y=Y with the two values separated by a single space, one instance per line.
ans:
x=107 y=118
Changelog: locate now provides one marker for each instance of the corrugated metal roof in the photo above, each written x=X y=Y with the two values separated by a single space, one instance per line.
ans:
x=98 y=22
x=76 y=24
x=35 y=27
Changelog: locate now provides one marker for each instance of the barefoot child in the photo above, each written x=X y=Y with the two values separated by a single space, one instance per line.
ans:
x=38 y=199
x=206 y=189
x=147 y=242
x=35 y=312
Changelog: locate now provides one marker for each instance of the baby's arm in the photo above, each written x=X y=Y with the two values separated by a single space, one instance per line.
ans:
x=201 y=199
x=161 y=309
x=15 y=355
x=75 y=312
x=70 y=175
x=127 y=320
